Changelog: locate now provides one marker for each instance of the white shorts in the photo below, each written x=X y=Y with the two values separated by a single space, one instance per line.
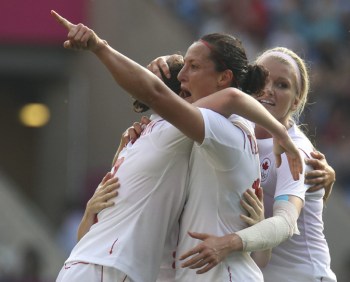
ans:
x=87 y=272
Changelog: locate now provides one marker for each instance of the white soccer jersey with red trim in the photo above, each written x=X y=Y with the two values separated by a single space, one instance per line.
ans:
x=304 y=257
x=131 y=235
x=222 y=168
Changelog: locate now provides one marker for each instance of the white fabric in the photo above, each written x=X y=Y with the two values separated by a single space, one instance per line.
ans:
x=222 y=168
x=271 y=231
x=308 y=252
x=87 y=272
x=131 y=235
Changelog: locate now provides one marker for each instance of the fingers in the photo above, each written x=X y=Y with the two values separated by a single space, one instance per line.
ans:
x=200 y=236
x=315 y=188
x=61 y=20
x=188 y=254
x=253 y=198
x=254 y=207
x=259 y=192
x=145 y=120
x=106 y=177
x=206 y=269
x=318 y=155
x=201 y=258
x=195 y=235
x=200 y=263
x=251 y=206
x=137 y=128
x=132 y=133
x=295 y=165
x=157 y=65
x=315 y=163
x=278 y=160
x=314 y=175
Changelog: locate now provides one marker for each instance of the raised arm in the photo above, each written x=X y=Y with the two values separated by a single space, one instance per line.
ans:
x=139 y=82
x=232 y=100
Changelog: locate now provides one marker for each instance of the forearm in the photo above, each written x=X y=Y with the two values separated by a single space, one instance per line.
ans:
x=272 y=231
x=132 y=77
x=149 y=89
x=86 y=222
x=233 y=101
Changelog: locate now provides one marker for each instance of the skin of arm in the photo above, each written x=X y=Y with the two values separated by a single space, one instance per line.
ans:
x=232 y=100
x=145 y=86
x=213 y=249
x=101 y=199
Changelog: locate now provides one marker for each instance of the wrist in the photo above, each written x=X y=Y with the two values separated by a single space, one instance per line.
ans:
x=281 y=131
x=89 y=216
x=235 y=243
x=100 y=46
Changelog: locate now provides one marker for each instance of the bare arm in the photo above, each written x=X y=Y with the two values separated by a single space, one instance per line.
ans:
x=139 y=82
x=267 y=234
x=232 y=100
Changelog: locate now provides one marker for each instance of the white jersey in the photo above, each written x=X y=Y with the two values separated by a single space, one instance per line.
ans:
x=131 y=235
x=303 y=257
x=223 y=167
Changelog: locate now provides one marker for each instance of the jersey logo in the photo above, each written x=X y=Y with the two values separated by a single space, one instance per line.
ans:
x=265 y=168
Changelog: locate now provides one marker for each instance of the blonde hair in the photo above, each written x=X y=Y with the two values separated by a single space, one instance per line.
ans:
x=302 y=75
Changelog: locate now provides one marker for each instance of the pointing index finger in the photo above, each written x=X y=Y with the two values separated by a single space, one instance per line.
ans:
x=67 y=24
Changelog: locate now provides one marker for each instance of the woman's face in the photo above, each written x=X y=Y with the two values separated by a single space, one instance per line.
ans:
x=198 y=76
x=279 y=96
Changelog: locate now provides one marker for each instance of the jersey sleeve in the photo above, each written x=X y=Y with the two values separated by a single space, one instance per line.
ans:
x=223 y=142
x=286 y=185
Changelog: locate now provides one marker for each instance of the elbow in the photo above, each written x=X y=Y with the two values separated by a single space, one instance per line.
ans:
x=230 y=102
x=152 y=94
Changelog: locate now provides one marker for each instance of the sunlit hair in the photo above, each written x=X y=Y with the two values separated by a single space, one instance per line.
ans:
x=227 y=52
x=302 y=79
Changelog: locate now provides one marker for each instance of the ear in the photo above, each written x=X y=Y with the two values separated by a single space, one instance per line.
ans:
x=295 y=104
x=225 y=78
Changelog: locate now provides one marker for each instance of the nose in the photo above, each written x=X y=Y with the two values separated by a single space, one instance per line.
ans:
x=268 y=88
x=181 y=75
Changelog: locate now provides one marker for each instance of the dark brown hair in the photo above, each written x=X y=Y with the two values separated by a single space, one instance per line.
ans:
x=227 y=52
x=175 y=65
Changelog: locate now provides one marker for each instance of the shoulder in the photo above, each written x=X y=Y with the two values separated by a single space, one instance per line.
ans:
x=301 y=140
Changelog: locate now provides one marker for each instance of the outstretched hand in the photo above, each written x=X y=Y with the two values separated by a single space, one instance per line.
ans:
x=286 y=145
x=80 y=37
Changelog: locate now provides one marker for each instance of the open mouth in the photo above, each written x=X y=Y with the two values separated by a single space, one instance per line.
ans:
x=184 y=94
x=266 y=102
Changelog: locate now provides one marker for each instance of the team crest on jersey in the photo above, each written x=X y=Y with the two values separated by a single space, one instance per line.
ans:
x=265 y=168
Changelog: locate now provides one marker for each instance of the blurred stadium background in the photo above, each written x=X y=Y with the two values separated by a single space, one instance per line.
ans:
x=62 y=114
